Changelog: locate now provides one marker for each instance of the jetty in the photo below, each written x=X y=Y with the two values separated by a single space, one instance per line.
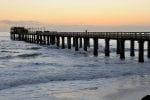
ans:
x=82 y=40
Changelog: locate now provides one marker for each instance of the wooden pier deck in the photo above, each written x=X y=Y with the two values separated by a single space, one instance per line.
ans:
x=81 y=40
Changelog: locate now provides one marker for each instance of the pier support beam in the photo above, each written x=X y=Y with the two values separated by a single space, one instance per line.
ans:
x=85 y=44
x=58 y=41
x=80 y=42
x=95 y=47
x=118 y=47
x=107 y=52
x=76 y=44
x=148 y=49
x=63 y=42
x=141 y=51
x=69 y=42
x=122 y=49
x=132 y=48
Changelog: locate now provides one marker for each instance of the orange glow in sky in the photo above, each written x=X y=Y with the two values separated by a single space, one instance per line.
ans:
x=78 y=12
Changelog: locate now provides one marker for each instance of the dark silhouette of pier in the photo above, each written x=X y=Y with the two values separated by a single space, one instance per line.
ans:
x=82 y=40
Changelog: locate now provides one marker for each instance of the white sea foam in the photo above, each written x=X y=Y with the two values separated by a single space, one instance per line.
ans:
x=34 y=72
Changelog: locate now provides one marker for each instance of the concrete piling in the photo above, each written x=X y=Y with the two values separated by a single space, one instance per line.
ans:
x=141 y=51
x=107 y=52
x=132 y=48
x=95 y=47
x=122 y=49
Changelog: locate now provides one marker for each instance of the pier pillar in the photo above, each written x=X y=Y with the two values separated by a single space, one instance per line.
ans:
x=58 y=41
x=48 y=40
x=33 y=38
x=118 y=47
x=52 y=39
x=132 y=48
x=141 y=51
x=40 y=39
x=19 y=37
x=63 y=42
x=80 y=42
x=148 y=49
x=107 y=52
x=76 y=44
x=27 y=38
x=95 y=47
x=85 y=44
x=88 y=42
x=122 y=49
x=44 y=39
x=69 y=42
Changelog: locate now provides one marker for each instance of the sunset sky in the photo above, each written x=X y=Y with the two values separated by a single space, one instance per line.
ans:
x=75 y=12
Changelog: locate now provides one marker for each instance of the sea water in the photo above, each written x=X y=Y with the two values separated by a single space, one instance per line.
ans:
x=38 y=72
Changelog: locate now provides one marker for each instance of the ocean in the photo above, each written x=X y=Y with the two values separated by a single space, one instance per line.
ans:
x=38 y=72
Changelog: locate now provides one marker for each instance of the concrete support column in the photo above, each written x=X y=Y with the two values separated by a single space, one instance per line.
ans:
x=132 y=48
x=33 y=38
x=48 y=40
x=63 y=42
x=148 y=48
x=122 y=49
x=52 y=39
x=40 y=39
x=141 y=51
x=107 y=51
x=58 y=41
x=80 y=42
x=95 y=47
x=44 y=39
x=118 y=47
x=69 y=42
x=76 y=44
x=88 y=42
x=85 y=44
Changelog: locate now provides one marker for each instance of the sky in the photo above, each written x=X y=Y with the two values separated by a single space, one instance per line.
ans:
x=75 y=13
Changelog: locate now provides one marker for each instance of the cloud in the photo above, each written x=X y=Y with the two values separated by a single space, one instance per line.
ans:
x=20 y=22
